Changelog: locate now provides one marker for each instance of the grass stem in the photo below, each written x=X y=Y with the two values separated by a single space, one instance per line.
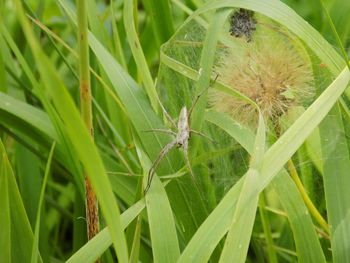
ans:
x=86 y=113
x=313 y=210
x=266 y=226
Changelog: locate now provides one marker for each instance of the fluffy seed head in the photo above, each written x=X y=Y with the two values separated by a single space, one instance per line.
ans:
x=273 y=73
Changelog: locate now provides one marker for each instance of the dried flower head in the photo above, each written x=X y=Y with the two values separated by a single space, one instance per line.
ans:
x=273 y=73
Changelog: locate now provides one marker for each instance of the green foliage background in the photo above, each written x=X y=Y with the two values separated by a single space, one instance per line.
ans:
x=247 y=209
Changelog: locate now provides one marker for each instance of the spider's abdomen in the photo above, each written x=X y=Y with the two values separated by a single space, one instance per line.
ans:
x=182 y=126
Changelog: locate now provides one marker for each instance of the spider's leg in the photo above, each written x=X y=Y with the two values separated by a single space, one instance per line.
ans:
x=161 y=130
x=194 y=103
x=202 y=134
x=154 y=166
x=166 y=113
x=185 y=147
x=198 y=96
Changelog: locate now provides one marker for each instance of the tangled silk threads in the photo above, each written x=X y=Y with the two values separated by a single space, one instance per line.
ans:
x=272 y=71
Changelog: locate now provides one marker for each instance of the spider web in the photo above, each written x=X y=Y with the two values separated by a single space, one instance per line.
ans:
x=220 y=171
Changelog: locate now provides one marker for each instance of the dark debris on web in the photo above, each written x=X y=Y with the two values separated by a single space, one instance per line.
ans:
x=243 y=23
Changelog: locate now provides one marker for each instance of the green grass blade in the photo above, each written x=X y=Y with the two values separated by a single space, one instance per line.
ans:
x=161 y=224
x=293 y=138
x=19 y=233
x=259 y=145
x=35 y=248
x=160 y=218
x=3 y=76
x=116 y=115
x=240 y=133
x=267 y=229
x=15 y=115
x=336 y=168
x=93 y=249
x=28 y=163
x=345 y=56
x=212 y=229
x=138 y=109
x=96 y=24
x=144 y=118
x=238 y=237
x=136 y=103
x=117 y=40
x=29 y=114
x=161 y=19
x=206 y=68
x=139 y=57
x=79 y=136
x=72 y=163
x=339 y=13
x=5 y=214
x=306 y=241
x=135 y=248
x=206 y=237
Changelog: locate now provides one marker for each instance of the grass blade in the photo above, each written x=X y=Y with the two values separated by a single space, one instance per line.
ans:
x=143 y=118
x=206 y=65
x=5 y=215
x=336 y=168
x=35 y=248
x=162 y=19
x=18 y=233
x=138 y=53
x=243 y=135
x=79 y=136
x=306 y=240
x=32 y=116
x=160 y=218
x=93 y=249
x=289 y=142
x=238 y=237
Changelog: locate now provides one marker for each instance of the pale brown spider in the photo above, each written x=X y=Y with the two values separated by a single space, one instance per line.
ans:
x=182 y=135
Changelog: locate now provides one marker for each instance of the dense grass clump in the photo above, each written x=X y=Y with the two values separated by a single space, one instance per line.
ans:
x=89 y=91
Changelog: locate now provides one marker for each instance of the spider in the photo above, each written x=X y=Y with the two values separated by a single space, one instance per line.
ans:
x=182 y=136
x=243 y=23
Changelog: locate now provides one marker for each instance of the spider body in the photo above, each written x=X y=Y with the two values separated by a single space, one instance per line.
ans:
x=182 y=136
x=181 y=140
x=183 y=127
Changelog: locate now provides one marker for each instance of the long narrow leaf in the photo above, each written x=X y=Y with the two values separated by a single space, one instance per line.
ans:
x=19 y=231
x=144 y=118
x=93 y=249
x=80 y=139
x=35 y=249
x=162 y=19
x=138 y=53
x=238 y=237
